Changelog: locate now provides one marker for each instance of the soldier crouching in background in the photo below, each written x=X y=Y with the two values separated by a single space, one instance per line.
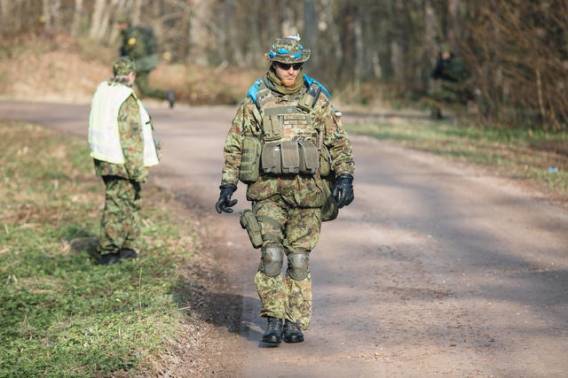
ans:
x=122 y=146
x=287 y=144
x=139 y=44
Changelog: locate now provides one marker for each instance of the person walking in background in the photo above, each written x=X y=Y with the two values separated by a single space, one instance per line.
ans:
x=449 y=85
x=287 y=144
x=122 y=146
x=139 y=44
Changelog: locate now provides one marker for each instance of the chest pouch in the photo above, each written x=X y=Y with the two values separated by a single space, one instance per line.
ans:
x=272 y=127
x=271 y=161
x=309 y=157
x=250 y=160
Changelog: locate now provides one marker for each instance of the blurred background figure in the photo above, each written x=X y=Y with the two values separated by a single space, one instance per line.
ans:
x=139 y=44
x=449 y=85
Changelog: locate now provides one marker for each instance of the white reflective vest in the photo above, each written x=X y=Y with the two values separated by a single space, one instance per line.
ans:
x=104 y=137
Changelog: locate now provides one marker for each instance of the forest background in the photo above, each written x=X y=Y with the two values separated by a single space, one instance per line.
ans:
x=515 y=50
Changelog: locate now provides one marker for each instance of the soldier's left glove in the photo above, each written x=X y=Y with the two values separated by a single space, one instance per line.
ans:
x=343 y=190
x=224 y=203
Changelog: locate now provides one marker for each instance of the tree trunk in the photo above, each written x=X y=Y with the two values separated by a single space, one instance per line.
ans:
x=77 y=18
x=98 y=13
x=310 y=28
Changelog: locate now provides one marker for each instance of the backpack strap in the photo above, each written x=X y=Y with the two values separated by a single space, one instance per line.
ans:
x=310 y=80
x=257 y=92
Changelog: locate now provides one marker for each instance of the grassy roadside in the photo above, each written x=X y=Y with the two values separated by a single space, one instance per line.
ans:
x=519 y=154
x=61 y=315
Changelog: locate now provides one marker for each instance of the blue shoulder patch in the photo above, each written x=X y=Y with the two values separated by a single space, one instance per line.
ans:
x=310 y=80
x=253 y=90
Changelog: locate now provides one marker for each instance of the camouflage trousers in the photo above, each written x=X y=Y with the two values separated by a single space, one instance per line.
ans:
x=143 y=85
x=120 y=223
x=297 y=231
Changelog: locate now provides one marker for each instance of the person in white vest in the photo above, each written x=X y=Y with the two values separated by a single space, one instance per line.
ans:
x=122 y=146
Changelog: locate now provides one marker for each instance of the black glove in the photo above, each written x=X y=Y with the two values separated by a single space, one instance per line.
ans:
x=343 y=190
x=224 y=203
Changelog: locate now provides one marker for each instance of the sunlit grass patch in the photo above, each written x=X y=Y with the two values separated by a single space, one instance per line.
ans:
x=539 y=156
x=60 y=314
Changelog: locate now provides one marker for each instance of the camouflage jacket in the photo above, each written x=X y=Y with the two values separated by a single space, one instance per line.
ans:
x=139 y=44
x=132 y=142
x=298 y=190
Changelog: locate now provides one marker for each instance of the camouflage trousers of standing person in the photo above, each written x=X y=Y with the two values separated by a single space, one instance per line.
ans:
x=296 y=230
x=143 y=85
x=120 y=223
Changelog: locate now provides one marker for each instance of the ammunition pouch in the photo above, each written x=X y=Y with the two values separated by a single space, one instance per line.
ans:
x=309 y=157
x=250 y=160
x=271 y=161
x=290 y=155
x=250 y=223
x=290 y=158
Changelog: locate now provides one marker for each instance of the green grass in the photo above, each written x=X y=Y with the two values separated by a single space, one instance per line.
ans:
x=60 y=314
x=518 y=153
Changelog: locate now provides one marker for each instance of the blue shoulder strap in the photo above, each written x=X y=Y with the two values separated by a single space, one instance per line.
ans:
x=253 y=90
x=310 y=80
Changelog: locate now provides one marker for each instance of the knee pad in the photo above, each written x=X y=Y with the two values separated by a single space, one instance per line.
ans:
x=298 y=265
x=272 y=259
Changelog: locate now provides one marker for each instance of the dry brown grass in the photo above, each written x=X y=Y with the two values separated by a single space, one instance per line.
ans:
x=59 y=68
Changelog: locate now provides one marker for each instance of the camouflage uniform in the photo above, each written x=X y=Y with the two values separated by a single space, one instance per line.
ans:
x=120 y=220
x=287 y=206
x=139 y=44
x=120 y=223
x=450 y=83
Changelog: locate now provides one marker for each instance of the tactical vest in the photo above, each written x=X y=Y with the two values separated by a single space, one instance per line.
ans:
x=290 y=142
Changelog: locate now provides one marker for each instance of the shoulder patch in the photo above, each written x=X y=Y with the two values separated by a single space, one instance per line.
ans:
x=308 y=80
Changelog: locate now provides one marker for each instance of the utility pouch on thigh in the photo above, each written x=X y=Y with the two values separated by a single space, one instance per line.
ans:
x=271 y=160
x=309 y=157
x=271 y=127
x=290 y=157
x=325 y=162
x=250 y=160
x=250 y=223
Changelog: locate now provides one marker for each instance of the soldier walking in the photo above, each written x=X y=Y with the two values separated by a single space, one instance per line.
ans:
x=450 y=84
x=287 y=144
x=139 y=44
x=122 y=146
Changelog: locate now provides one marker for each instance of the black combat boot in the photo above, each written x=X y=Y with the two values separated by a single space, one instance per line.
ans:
x=127 y=253
x=292 y=333
x=109 y=258
x=273 y=334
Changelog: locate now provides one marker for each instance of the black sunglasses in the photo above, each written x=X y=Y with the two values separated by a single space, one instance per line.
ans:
x=286 y=66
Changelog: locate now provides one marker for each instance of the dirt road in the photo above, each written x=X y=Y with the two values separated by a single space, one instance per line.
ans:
x=435 y=270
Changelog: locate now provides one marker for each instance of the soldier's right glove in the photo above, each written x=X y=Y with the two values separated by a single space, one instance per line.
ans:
x=224 y=203
x=343 y=190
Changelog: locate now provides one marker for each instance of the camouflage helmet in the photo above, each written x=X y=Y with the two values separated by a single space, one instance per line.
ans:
x=123 y=66
x=288 y=50
x=122 y=18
